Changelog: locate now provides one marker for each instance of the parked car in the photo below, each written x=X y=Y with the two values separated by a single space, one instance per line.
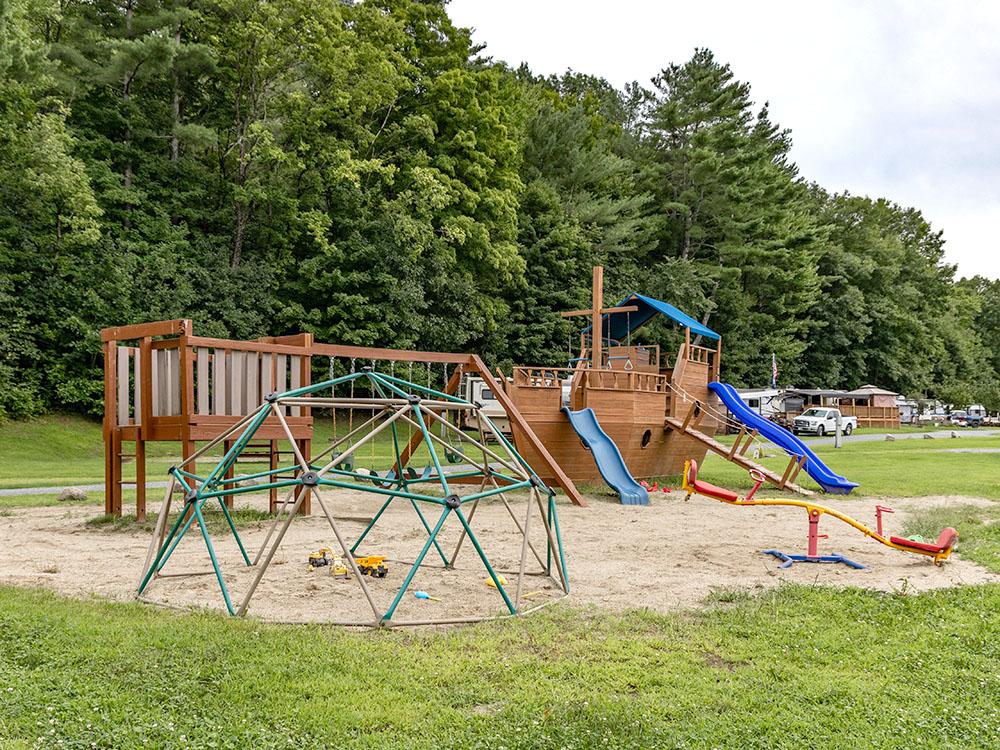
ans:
x=820 y=421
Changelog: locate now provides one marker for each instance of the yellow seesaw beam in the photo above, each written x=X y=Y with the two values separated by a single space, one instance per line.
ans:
x=939 y=552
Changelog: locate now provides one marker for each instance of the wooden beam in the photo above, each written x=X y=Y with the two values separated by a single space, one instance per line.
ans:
x=596 y=334
x=515 y=416
x=399 y=355
x=604 y=311
x=141 y=330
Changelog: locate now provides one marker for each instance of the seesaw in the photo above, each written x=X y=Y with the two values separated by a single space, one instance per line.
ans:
x=939 y=552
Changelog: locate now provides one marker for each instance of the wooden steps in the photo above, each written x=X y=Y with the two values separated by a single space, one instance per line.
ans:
x=778 y=480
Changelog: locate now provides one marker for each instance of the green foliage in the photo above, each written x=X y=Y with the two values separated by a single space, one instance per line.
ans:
x=358 y=170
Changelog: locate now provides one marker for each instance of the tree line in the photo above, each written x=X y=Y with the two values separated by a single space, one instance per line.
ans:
x=365 y=172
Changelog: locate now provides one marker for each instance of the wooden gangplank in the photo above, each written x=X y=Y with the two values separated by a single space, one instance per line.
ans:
x=781 y=481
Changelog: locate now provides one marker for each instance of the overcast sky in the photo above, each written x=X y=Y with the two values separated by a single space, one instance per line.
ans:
x=887 y=99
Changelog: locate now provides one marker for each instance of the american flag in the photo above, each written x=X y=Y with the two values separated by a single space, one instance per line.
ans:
x=774 y=371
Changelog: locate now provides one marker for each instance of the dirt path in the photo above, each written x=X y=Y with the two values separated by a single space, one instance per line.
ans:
x=666 y=556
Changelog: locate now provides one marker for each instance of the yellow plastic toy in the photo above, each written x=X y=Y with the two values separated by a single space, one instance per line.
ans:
x=372 y=565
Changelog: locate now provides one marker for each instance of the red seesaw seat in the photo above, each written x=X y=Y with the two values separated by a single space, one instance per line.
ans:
x=945 y=541
x=706 y=488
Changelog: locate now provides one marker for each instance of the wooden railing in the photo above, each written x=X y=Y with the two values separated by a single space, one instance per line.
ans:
x=872 y=416
x=220 y=377
x=618 y=380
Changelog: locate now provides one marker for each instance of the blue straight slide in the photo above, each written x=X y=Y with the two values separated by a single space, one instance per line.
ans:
x=607 y=457
x=819 y=471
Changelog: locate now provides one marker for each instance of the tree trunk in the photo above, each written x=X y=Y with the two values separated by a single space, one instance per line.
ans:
x=175 y=145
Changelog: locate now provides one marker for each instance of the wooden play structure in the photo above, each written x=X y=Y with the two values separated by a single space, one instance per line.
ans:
x=164 y=383
x=657 y=411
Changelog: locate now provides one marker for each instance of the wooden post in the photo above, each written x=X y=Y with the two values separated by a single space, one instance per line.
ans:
x=140 y=476
x=749 y=442
x=736 y=443
x=112 y=457
x=718 y=358
x=596 y=335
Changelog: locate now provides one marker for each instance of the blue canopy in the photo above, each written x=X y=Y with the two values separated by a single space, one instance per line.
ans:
x=618 y=325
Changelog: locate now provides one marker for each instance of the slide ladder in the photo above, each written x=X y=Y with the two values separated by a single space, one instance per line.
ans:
x=607 y=457
x=734 y=454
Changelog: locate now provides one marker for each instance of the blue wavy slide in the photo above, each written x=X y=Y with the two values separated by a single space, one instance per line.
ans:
x=607 y=457
x=819 y=471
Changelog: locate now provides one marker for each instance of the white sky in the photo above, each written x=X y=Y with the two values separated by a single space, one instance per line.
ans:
x=889 y=99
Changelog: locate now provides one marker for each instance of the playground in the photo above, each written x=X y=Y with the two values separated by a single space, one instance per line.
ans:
x=622 y=557
x=598 y=569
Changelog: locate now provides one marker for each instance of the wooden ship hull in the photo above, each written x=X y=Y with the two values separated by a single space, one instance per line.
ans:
x=633 y=403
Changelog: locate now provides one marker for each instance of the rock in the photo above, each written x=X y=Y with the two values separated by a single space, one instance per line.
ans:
x=889 y=438
x=954 y=434
x=248 y=483
x=72 y=494
x=928 y=437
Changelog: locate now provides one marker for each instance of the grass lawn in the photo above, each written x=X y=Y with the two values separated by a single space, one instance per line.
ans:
x=903 y=468
x=800 y=667
x=66 y=450
x=796 y=667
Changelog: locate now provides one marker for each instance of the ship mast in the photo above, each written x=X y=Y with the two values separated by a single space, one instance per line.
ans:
x=595 y=312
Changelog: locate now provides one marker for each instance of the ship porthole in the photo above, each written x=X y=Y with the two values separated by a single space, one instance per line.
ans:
x=646 y=437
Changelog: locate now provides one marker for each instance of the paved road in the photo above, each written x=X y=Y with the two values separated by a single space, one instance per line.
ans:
x=865 y=437
x=55 y=490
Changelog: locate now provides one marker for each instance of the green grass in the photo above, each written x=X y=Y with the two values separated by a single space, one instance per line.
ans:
x=903 y=468
x=68 y=450
x=978 y=531
x=64 y=450
x=799 y=667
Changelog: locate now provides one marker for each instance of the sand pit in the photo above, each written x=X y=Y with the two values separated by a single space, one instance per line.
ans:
x=667 y=556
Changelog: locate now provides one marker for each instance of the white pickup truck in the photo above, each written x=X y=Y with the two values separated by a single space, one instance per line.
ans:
x=822 y=421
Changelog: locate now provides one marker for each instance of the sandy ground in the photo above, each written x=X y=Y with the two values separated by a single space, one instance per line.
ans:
x=667 y=556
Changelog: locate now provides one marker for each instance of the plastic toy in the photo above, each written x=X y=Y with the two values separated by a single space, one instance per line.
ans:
x=372 y=565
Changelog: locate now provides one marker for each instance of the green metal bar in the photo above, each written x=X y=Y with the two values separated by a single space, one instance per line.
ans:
x=156 y=566
x=377 y=377
x=371 y=524
x=431 y=450
x=257 y=475
x=380 y=491
x=175 y=472
x=496 y=491
x=320 y=386
x=188 y=474
x=420 y=558
x=400 y=482
x=427 y=528
x=562 y=557
x=451 y=475
x=232 y=527
x=548 y=540
x=215 y=562
x=226 y=492
x=230 y=457
x=187 y=525
x=512 y=450
x=425 y=389
x=486 y=562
